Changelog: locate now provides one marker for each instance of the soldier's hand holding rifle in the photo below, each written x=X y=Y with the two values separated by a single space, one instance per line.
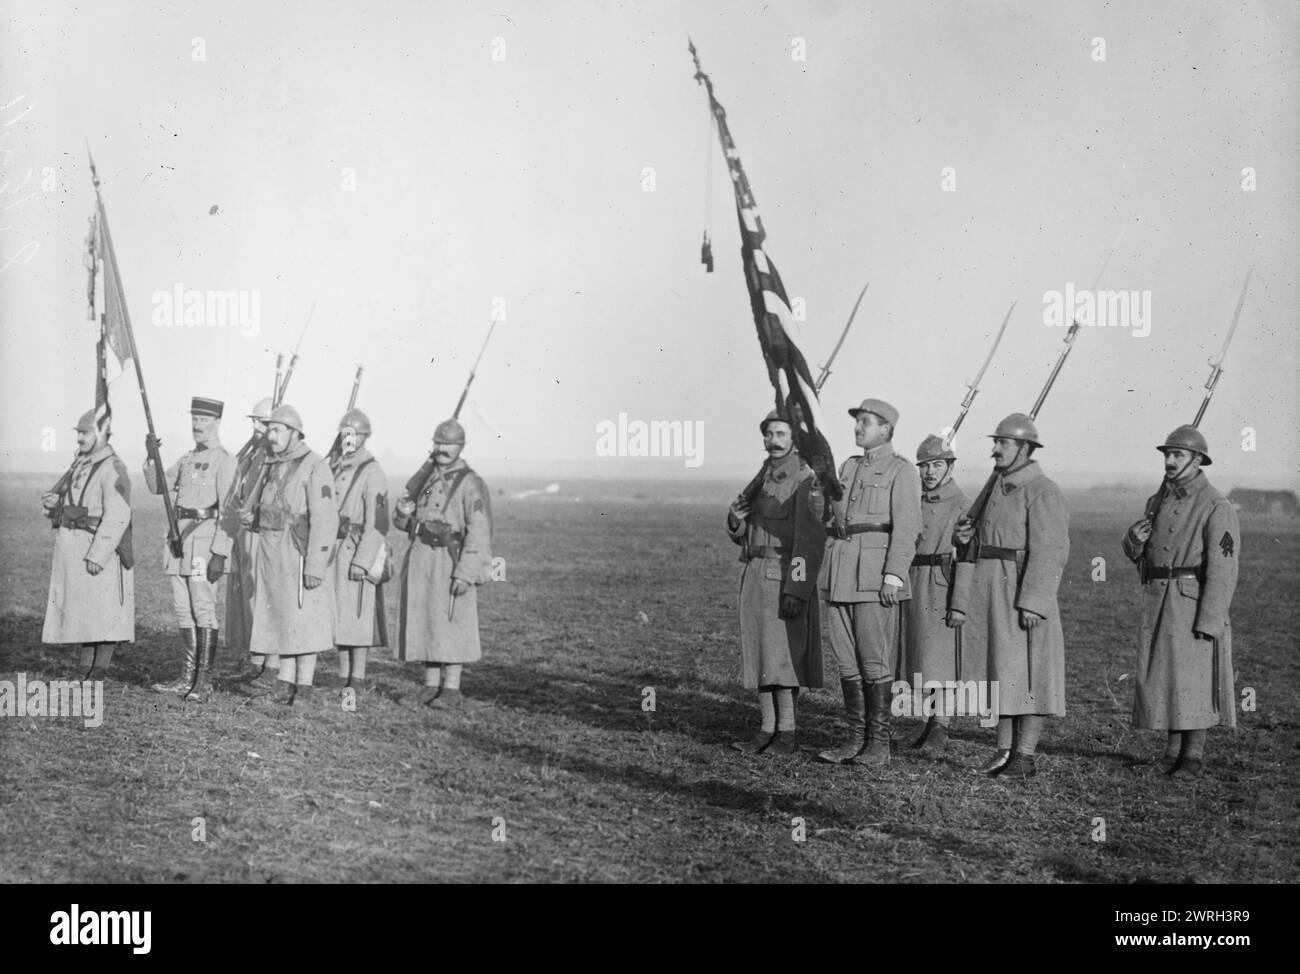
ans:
x=964 y=531
x=356 y=573
x=49 y=500
x=955 y=619
x=1029 y=620
x=738 y=512
x=1140 y=532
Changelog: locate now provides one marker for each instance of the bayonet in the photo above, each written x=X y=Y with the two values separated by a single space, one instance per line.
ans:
x=826 y=369
x=973 y=387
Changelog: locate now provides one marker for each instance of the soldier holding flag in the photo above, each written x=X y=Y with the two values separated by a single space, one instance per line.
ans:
x=297 y=521
x=449 y=520
x=92 y=585
x=198 y=481
x=360 y=559
x=1187 y=550
x=781 y=537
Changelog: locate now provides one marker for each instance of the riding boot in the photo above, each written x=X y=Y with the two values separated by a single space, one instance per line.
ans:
x=185 y=682
x=876 y=753
x=855 y=707
x=207 y=651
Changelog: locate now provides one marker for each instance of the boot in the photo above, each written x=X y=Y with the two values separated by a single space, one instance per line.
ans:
x=1020 y=766
x=284 y=692
x=994 y=764
x=855 y=707
x=1187 y=768
x=185 y=682
x=448 y=699
x=783 y=743
x=206 y=655
x=876 y=754
x=302 y=695
x=933 y=739
x=756 y=743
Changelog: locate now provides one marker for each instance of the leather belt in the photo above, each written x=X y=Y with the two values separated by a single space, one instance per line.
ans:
x=193 y=514
x=864 y=527
x=1001 y=554
x=766 y=551
x=1169 y=571
x=920 y=561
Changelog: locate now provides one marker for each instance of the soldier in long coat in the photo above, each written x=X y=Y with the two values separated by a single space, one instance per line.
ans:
x=92 y=584
x=238 y=548
x=780 y=531
x=297 y=519
x=932 y=645
x=1007 y=594
x=863 y=578
x=198 y=481
x=449 y=521
x=359 y=561
x=1187 y=549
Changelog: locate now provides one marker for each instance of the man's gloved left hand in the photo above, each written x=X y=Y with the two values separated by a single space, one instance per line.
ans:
x=216 y=567
x=791 y=607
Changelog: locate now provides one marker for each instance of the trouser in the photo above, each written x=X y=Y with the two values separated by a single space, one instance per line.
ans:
x=864 y=639
x=194 y=600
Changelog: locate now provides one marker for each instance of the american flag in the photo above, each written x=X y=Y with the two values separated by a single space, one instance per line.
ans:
x=113 y=321
x=778 y=332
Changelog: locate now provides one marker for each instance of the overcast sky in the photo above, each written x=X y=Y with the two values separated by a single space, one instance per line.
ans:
x=404 y=165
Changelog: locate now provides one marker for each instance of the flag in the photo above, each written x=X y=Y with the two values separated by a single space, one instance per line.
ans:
x=113 y=338
x=778 y=333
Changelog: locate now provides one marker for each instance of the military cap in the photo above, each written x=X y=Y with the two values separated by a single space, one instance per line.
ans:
x=1188 y=438
x=449 y=431
x=286 y=416
x=263 y=408
x=1017 y=426
x=357 y=420
x=87 y=422
x=199 y=406
x=933 y=448
x=773 y=417
x=880 y=408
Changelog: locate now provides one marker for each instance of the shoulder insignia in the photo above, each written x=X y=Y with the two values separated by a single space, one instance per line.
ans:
x=325 y=491
x=1226 y=544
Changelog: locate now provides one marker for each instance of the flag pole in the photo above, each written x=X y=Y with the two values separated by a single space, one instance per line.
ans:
x=173 y=529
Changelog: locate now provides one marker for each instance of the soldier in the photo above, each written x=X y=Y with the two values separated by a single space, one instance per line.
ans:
x=198 y=481
x=1186 y=549
x=240 y=547
x=297 y=522
x=863 y=579
x=362 y=553
x=1006 y=595
x=781 y=542
x=92 y=585
x=932 y=649
x=450 y=525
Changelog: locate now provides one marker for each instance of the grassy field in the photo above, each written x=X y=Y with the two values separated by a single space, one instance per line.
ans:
x=556 y=773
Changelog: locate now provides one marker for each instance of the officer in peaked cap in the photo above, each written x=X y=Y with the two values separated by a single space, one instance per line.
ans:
x=199 y=482
x=1013 y=547
x=777 y=521
x=932 y=646
x=863 y=578
x=1187 y=548
x=238 y=549
x=296 y=517
x=447 y=514
x=360 y=559
x=91 y=600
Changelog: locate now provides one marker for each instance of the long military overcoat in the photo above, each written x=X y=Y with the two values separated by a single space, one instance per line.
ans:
x=239 y=547
x=929 y=646
x=362 y=491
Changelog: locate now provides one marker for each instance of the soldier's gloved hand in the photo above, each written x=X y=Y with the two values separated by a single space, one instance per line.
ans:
x=738 y=511
x=1030 y=620
x=889 y=594
x=93 y=567
x=246 y=518
x=356 y=573
x=216 y=567
x=459 y=586
x=151 y=443
x=791 y=607
x=818 y=464
x=1139 y=532
x=49 y=499
x=955 y=619
x=964 y=531
x=311 y=581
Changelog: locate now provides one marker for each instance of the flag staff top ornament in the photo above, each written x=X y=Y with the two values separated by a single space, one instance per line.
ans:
x=778 y=332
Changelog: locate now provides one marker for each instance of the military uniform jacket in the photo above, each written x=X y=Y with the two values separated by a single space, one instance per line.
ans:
x=456 y=496
x=362 y=492
x=879 y=488
x=85 y=608
x=930 y=645
x=297 y=523
x=1185 y=683
x=1025 y=513
x=782 y=542
x=198 y=482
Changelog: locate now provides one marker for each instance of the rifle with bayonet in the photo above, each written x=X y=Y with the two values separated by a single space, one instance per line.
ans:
x=1212 y=383
x=336 y=449
x=973 y=387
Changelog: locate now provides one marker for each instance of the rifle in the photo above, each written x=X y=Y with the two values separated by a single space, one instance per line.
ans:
x=973 y=387
x=1212 y=383
x=336 y=450
x=826 y=368
x=416 y=484
x=281 y=387
x=59 y=488
x=151 y=441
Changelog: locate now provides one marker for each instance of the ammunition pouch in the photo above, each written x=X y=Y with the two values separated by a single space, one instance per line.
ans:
x=73 y=516
x=194 y=514
x=348 y=529
x=440 y=534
